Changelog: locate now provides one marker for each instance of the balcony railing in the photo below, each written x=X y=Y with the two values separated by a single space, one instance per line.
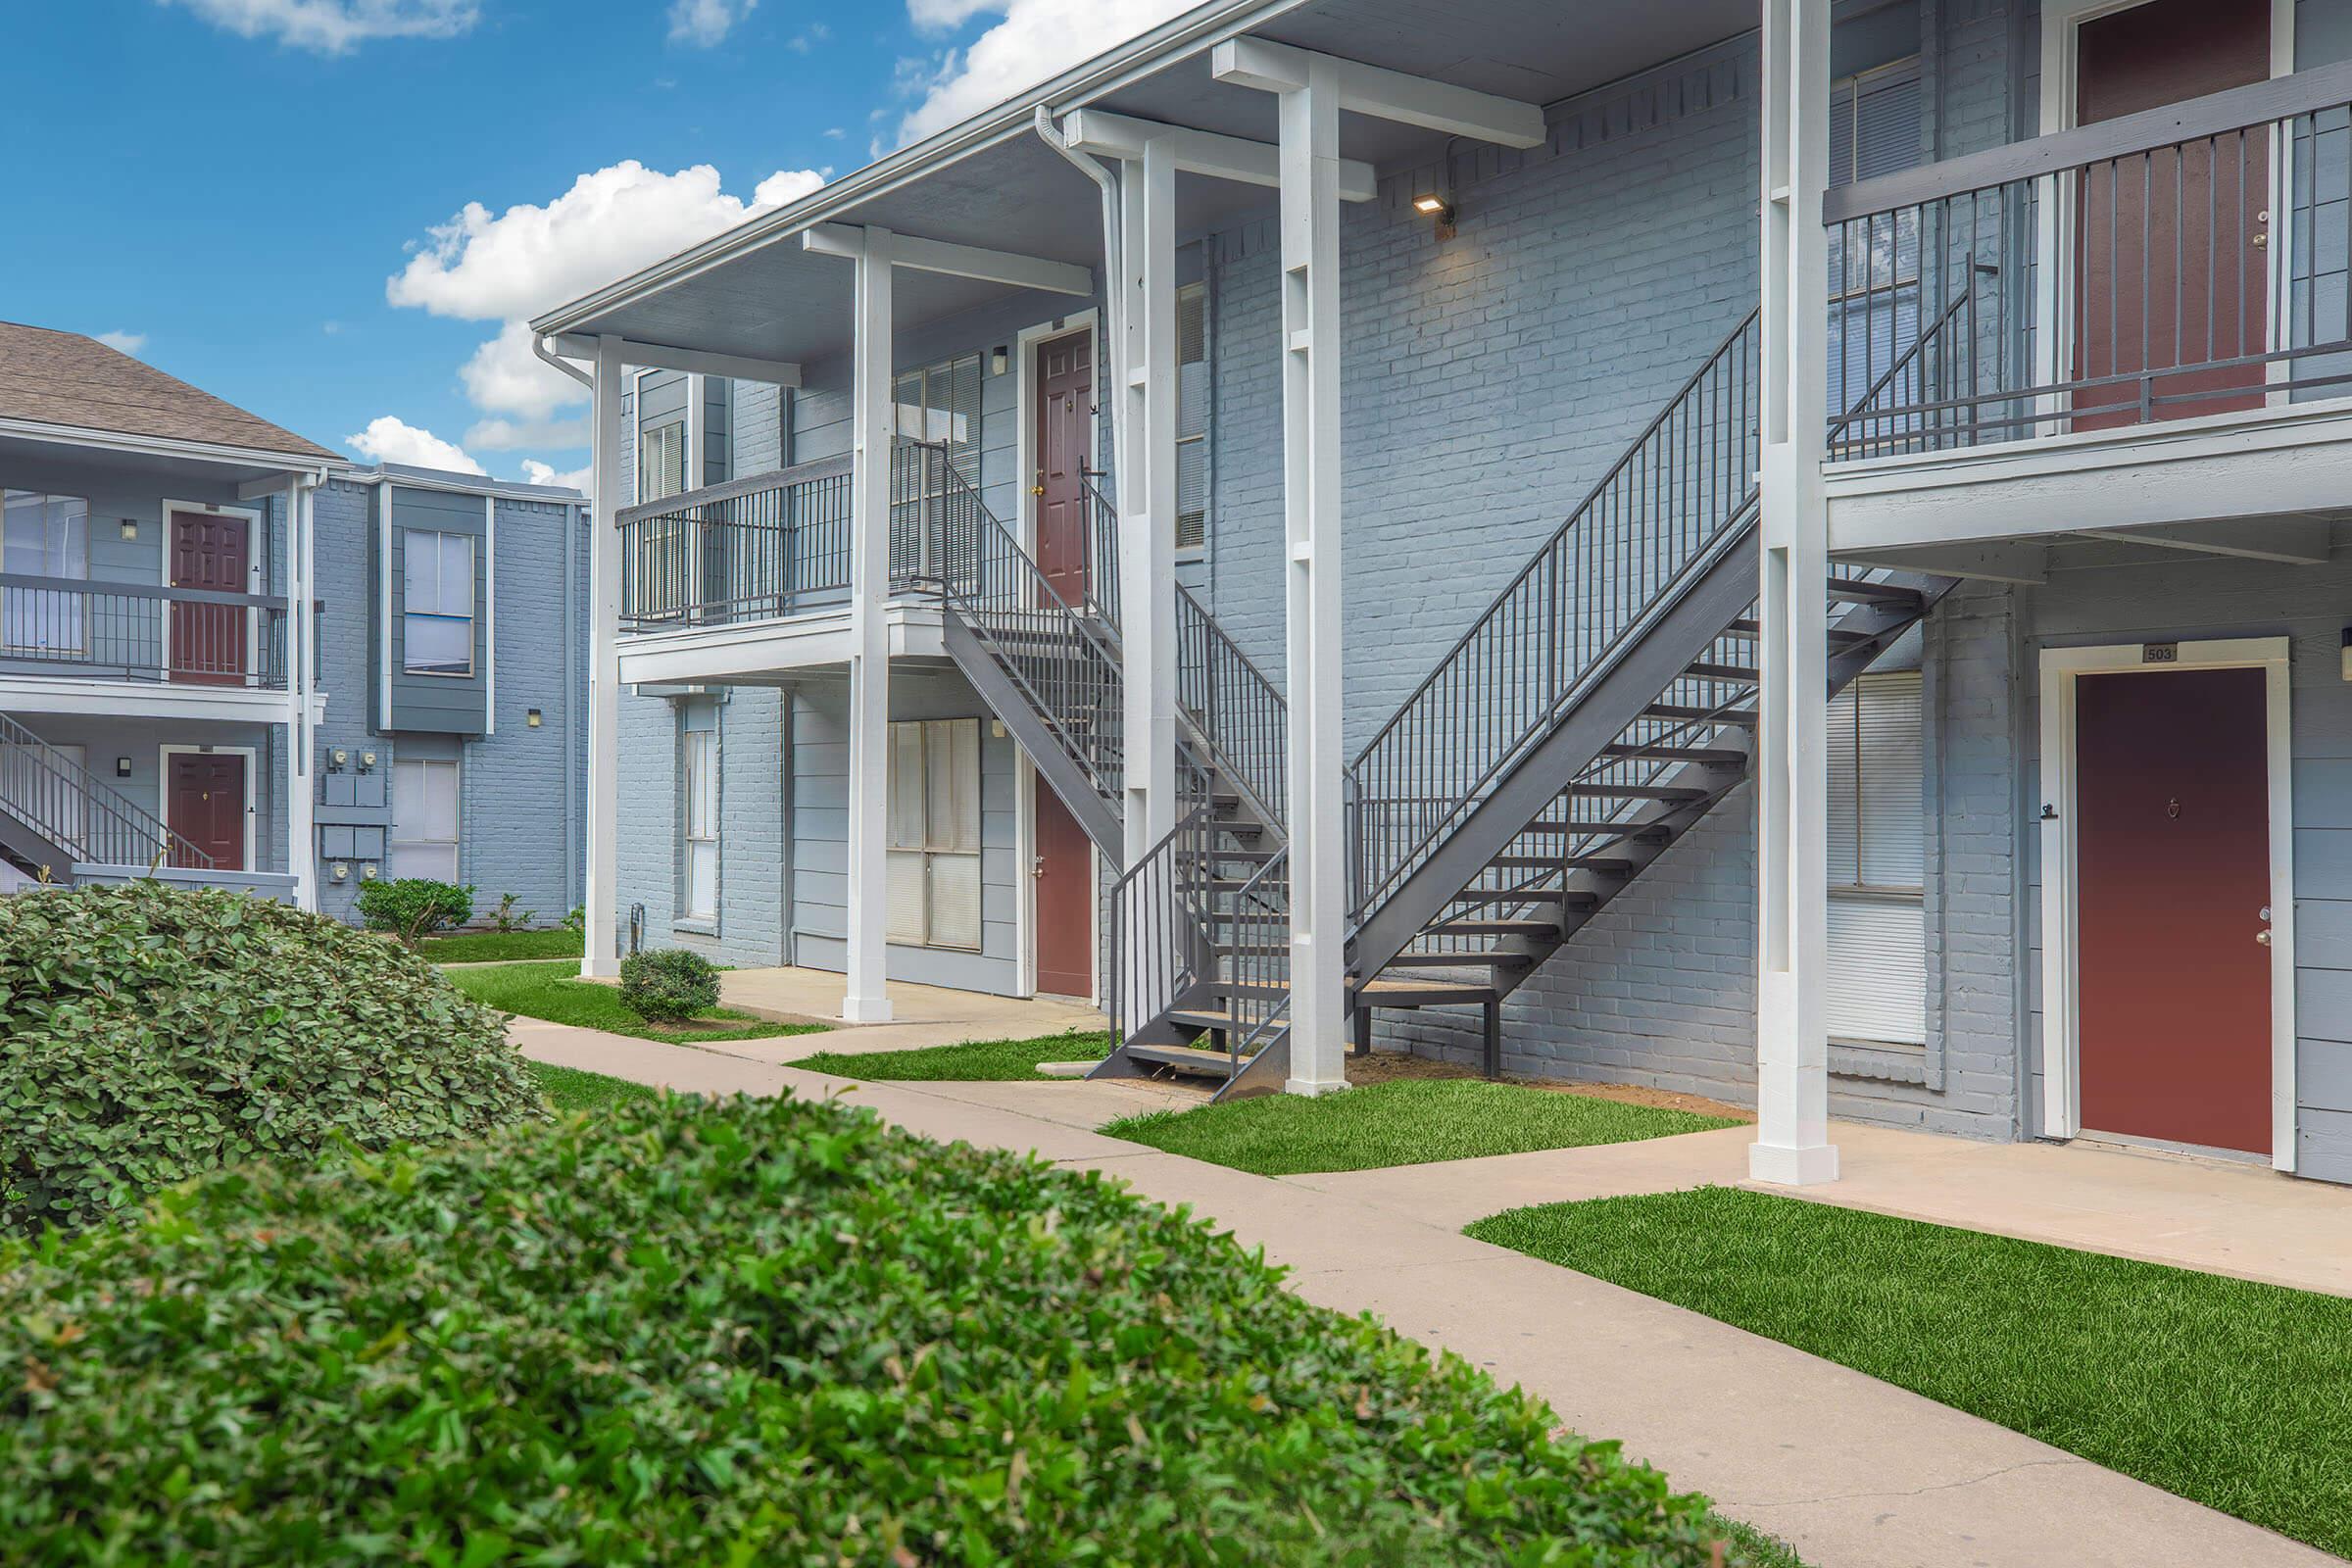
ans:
x=134 y=631
x=2186 y=260
x=772 y=544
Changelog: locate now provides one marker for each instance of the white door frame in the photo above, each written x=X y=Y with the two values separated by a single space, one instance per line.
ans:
x=2061 y=1021
x=162 y=784
x=253 y=583
x=1025 y=344
x=2061 y=26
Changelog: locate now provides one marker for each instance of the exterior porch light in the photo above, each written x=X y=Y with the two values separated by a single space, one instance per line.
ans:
x=1431 y=204
x=1000 y=360
x=130 y=527
x=122 y=767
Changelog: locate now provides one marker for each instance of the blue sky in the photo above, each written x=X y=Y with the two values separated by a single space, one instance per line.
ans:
x=327 y=210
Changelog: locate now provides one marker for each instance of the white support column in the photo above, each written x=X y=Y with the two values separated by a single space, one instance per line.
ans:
x=1148 y=497
x=302 y=788
x=600 y=958
x=1310 y=435
x=1792 y=1125
x=866 y=997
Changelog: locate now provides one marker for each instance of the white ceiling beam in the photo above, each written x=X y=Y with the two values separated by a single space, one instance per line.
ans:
x=958 y=261
x=663 y=357
x=2018 y=563
x=1385 y=94
x=1199 y=152
x=2296 y=541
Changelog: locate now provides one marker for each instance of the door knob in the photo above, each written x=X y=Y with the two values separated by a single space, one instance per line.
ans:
x=2262 y=936
x=1039 y=867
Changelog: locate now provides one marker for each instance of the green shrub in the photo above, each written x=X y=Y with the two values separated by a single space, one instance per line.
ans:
x=693 y=1332
x=669 y=985
x=505 y=920
x=414 y=907
x=149 y=1033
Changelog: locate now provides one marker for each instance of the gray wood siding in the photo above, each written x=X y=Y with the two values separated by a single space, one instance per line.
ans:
x=438 y=704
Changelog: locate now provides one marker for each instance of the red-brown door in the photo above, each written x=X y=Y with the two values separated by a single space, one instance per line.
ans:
x=208 y=641
x=1066 y=906
x=2171 y=256
x=1065 y=410
x=2173 y=858
x=204 y=802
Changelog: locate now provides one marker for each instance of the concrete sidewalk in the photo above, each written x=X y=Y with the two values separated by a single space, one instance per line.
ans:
x=1849 y=1470
x=920 y=1015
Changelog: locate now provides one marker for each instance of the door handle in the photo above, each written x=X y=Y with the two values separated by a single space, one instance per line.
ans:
x=2262 y=936
x=1038 y=866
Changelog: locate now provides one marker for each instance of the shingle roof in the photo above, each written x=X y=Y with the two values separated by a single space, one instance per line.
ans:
x=65 y=378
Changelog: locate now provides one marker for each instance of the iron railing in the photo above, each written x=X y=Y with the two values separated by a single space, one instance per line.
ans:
x=1161 y=935
x=2187 y=261
x=1660 y=517
x=772 y=544
x=1236 y=708
x=1254 y=928
x=140 y=631
x=62 y=802
x=1101 y=548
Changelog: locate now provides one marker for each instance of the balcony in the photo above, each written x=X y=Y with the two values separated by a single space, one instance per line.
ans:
x=72 y=644
x=2125 y=325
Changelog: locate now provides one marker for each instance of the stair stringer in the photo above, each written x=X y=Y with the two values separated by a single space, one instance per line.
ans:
x=1045 y=747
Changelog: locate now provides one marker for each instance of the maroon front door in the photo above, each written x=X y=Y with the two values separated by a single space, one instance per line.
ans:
x=1065 y=411
x=208 y=641
x=204 y=796
x=2173 y=868
x=1065 y=908
x=2171 y=256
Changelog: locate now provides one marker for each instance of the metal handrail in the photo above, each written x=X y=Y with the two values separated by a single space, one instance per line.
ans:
x=1916 y=355
x=1162 y=933
x=143 y=631
x=92 y=821
x=762 y=546
x=1664 y=507
x=1236 y=708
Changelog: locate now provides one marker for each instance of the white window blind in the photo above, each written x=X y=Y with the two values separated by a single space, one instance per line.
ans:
x=934 y=831
x=424 y=819
x=1192 y=416
x=1878 y=980
x=661 y=461
x=1875 y=129
x=44 y=536
x=699 y=790
x=437 y=603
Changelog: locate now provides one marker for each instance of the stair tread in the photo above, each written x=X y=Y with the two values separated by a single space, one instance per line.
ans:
x=1704 y=670
x=1409 y=959
x=1492 y=928
x=1855 y=591
x=1575 y=862
x=1638 y=792
x=1387 y=991
x=1206 y=1019
x=1186 y=1058
x=1583 y=828
x=1713 y=755
x=1748 y=626
x=1714 y=715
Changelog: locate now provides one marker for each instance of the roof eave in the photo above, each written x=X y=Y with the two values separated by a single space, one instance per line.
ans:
x=317 y=462
x=1200 y=28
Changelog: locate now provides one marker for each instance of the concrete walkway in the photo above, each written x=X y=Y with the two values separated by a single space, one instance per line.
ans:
x=1849 y=1470
x=920 y=1015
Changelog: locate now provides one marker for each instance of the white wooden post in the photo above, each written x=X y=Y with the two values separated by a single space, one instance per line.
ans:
x=865 y=999
x=1793 y=1133
x=1310 y=432
x=600 y=958
x=1148 y=497
x=302 y=797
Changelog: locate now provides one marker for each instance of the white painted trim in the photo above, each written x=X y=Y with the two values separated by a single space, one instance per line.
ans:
x=24 y=693
x=783 y=646
x=72 y=436
x=1383 y=94
x=1208 y=153
x=253 y=573
x=1025 y=344
x=920 y=255
x=162 y=784
x=700 y=362
x=2061 y=49
x=383 y=604
x=1024 y=870
x=2061 y=1033
x=489 y=615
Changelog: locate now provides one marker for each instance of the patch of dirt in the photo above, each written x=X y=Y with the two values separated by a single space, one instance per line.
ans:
x=1388 y=1067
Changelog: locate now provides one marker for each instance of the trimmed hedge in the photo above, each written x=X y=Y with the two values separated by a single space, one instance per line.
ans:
x=669 y=985
x=150 y=1033
x=689 y=1331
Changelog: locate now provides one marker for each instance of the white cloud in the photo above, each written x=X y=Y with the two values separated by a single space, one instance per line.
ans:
x=390 y=440
x=509 y=435
x=1036 y=39
x=536 y=472
x=336 y=27
x=705 y=24
x=124 y=342
x=504 y=377
x=786 y=186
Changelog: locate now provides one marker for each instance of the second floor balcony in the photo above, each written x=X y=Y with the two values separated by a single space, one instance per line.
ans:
x=139 y=632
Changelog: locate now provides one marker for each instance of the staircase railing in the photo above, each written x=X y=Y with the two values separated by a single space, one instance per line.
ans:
x=770 y=544
x=64 y=803
x=1256 y=925
x=1236 y=706
x=944 y=537
x=1662 y=512
x=1101 y=547
x=1908 y=407
x=1161 y=937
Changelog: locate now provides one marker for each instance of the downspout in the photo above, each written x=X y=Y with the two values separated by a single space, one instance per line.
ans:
x=573 y=749
x=1114 y=269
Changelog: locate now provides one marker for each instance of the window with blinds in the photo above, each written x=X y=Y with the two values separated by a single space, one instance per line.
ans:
x=934 y=828
x=698 y=790
x=1878 y=983
x=661 y=461
x=1875 y=129
x=1192 y=416
x=939 y=404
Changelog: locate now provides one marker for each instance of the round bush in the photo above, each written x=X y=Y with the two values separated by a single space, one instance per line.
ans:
x=687 y=1332
x=150 y=1033
x=669 y=985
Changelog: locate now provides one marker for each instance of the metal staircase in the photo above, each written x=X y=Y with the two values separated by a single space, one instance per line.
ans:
x=55 y=814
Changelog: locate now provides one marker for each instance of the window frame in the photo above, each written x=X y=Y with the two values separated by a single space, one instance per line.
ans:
x=75 y=623
x=409 y=613
x=394 y=843
x=1846 y=758
x=1196 y=292
x=932 y=848
x=697 y=818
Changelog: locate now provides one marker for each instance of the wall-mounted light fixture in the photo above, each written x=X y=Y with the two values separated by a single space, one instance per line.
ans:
x=1437 y=205
x=531 y=717
x=122 y=767
x=130 y=527
x=1000 y=360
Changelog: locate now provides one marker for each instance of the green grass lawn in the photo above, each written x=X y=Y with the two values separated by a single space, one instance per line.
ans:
x=2233 y=1394
x=1410 y=1122
x=498 y=947
x=985 y=1059
x=554 y=992
x=570 y=1089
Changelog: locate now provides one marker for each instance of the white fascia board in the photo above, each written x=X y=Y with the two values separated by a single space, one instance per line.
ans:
x=154 y=699
x=1385 y=94
x=695 y=362
x=1201 y=152
x=166 y=446
x=2292 y=541
x=956 y=261
x=781 y=649
x=1185 y=36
